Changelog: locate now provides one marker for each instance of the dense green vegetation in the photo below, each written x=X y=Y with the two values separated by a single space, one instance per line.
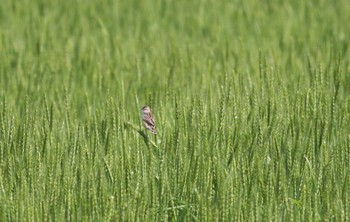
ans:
x=251 y=101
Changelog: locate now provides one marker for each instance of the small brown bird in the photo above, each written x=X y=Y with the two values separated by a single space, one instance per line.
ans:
x=148 y=119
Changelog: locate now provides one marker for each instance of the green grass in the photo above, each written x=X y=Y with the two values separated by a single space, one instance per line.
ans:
x=251 y=101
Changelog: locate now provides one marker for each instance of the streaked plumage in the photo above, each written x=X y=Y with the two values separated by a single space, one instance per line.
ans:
x=148 y=119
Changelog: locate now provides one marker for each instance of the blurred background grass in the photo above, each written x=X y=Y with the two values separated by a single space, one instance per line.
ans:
x=90 y=47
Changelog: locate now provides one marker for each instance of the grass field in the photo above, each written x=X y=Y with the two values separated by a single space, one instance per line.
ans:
x=251 y=100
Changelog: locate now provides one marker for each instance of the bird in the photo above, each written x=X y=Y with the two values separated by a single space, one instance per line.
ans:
x=148 y=119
